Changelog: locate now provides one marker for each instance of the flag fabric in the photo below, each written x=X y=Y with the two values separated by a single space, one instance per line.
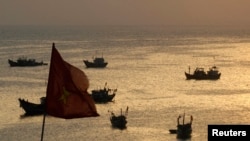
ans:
x=67 y=95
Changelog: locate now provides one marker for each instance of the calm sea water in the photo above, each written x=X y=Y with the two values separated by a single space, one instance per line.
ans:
x=146 y=65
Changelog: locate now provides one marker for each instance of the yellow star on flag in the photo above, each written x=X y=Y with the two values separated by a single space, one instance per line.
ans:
x=64 y=95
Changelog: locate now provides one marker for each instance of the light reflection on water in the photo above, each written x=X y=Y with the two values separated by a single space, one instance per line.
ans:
x=150 y=80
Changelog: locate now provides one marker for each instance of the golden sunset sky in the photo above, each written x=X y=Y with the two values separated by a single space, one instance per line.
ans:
x=125 y=12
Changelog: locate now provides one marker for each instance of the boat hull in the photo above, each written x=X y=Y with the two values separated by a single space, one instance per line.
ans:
x=202 y=77
x=184 y=131
x=118 y=121
x=24 y=64
x=32 y=108
x=106 y=99
x=94 y=65
x=102 y=96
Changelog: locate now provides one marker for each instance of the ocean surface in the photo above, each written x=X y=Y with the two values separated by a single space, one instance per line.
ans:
x=145 y=63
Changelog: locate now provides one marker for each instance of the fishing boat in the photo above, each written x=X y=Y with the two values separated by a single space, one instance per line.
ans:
x=32 y=108
x=200 y=74
x=23 y=61
x=103 y=95
x=184 y=130
x=97 y=62
x=119 y=121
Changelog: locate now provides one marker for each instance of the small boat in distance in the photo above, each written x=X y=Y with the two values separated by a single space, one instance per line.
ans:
x=119 y=121
x=23 y=61
x=200 y=74
x=32 y=108
x=184 y=130
x=98 y=62
x=103 y=95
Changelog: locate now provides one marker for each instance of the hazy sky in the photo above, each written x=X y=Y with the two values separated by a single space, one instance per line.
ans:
x=125 y=12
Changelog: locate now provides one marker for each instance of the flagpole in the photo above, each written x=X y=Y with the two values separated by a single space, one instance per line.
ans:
x=44 y=116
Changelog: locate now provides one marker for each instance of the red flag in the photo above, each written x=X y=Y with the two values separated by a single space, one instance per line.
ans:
x=67 y=95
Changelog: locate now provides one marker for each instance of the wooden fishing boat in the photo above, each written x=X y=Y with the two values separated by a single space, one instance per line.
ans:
x=98 y=62
x=32 y=108
x=119 y=121
x=200 y=74
x=184 y=130
x=23 y=62
x=103 y=95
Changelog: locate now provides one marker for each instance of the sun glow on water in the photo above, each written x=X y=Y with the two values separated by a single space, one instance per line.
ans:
x=149 y=76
